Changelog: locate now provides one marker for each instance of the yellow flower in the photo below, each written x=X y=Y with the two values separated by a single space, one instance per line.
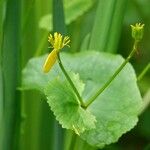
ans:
x=57 y=42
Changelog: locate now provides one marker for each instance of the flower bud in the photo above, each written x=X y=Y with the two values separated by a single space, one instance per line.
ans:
x=137 y=31
x=50 y=61
x=57 y=42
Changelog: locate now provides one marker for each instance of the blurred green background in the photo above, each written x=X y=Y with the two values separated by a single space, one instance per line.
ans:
x=26 y=122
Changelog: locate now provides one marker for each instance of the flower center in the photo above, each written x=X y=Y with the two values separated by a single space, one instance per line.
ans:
x=57 y=41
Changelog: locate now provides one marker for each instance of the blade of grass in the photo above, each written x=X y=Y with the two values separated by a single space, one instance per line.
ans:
x=1 y=106
x=116 y=26
x=2 y=6
x=58 y=17
x=58 y=26
x=101 y=25
x=29 y=100
x=10 y=64
x=47 y=127
x=31 y=104
x=108 y=19
x=2 y=16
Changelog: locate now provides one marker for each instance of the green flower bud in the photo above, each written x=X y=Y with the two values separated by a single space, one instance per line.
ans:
x=137 y=31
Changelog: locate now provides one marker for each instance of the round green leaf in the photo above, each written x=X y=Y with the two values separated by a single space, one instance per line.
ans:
x=116 y=109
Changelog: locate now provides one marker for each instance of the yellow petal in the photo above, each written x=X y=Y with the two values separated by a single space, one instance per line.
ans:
x=50 y=61
x=57 y=41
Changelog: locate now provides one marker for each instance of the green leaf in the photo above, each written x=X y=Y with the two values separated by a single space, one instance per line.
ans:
x=73 y=9
x=107 y=25
x=66 y=107
x=58 y=17
x=116 y=109
x=33 y=76
x=10 y=49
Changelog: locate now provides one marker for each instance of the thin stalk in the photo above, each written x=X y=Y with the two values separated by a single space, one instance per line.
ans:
x=144 y=71
x=92 y=99
x=70 y=81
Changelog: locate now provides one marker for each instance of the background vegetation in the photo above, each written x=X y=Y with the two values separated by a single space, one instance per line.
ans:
x=26 y=122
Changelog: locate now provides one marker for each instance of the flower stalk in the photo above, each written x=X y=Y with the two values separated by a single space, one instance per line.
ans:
x=137 y=34
x=70 y=81
x=57 y=43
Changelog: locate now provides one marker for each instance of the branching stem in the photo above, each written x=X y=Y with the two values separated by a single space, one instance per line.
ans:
x=92 y=99
x=70 y=81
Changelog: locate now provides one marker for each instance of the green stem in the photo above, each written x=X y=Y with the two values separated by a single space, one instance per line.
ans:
x=92 y=99
x=70 y=81
x=144 y=71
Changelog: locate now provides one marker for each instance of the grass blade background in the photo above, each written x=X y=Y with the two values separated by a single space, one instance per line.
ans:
x=10 y=53
x=2 y=14
x=30 y=103
x=58 y=17
x=58 y=26
x=105 y=32
x=38 y=122
x=116 y=26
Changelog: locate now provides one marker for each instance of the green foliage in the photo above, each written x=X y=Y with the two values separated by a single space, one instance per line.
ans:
x=26 y=120
x=106 y=22
x=116 y=109
x=1 y=75
x=66 y=107
x=37 y=124
x=72 y=9
x=10 y=57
